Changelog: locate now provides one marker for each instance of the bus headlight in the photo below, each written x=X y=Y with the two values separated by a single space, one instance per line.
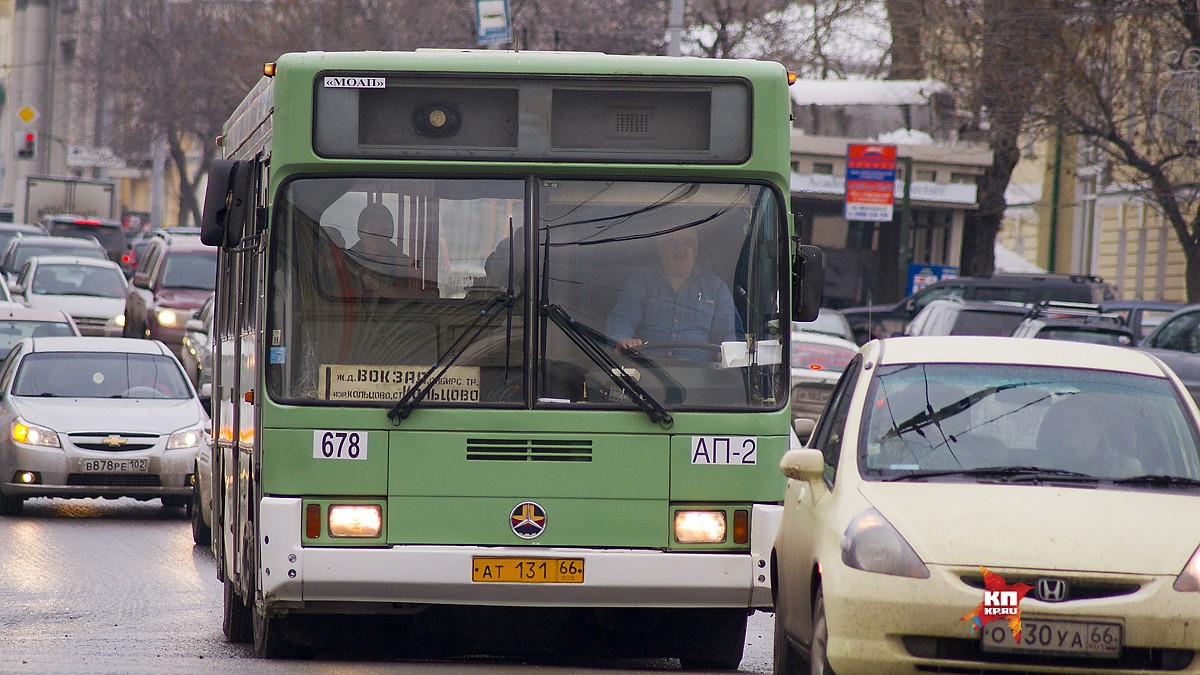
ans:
x=700 y=527
x=355 y=520
x=30 y=434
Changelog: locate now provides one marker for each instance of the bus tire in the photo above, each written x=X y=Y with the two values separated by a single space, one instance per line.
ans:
x=236 y=622
x=271 y=637
x=724 y=639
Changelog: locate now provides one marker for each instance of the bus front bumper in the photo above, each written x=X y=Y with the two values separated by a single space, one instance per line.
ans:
x=296 y=577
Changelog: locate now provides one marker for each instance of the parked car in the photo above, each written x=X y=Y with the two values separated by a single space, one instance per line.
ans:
x=108 y=232
x=830 y=322
x=9 y=231
x=18 y=322
x=195 y=353
x=97 y=417
x=1140 y=315
x=1177 y=342
x=948 y=469
x=817 y=362
x=91 y=291
x=175 y=277
x=24 y=247
x=889 y=320
x=1077 y=322
x=955 y=316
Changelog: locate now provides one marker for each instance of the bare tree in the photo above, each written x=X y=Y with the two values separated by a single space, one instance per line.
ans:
x=610 y=26
x=995 y=56
x=1126 y=79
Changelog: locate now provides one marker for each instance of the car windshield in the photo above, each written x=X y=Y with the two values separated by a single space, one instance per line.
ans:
x=983 y=322
x=111 y=237
x=1093 y=336
x=13 y=331
x=405 y=267
x=190 y=270
x=950 y=417
x=24 y=252
x=99 y=375
x=56 y=279
x=828 y=322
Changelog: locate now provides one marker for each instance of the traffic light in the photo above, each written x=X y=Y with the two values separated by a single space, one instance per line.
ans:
x=26 y=144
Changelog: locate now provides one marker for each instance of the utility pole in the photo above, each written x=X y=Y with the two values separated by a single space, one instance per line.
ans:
x=675 y=28
x=904 y=249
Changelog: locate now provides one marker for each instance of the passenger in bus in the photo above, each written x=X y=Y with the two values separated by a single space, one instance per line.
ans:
x=376 y=249
x=674 y=303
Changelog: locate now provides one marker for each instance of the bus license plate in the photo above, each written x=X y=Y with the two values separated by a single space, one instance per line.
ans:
x=129 y=465
x=528 y=570
x=1055 y=637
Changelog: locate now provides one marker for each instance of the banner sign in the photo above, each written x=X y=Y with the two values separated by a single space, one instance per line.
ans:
x=920 y=276
x=870 y=181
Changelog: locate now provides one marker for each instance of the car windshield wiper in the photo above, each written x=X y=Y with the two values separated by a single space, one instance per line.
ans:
x=1158 y=480
x=929 y=416
x=619 y=375
x=1010 y=472
x=424 y=384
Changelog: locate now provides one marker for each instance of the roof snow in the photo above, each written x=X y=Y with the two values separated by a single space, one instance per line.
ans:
x=866 y=92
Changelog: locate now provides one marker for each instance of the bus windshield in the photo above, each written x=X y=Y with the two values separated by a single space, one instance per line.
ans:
x=675 y=284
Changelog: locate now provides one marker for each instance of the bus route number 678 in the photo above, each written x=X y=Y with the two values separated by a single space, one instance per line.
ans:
x=339 y=444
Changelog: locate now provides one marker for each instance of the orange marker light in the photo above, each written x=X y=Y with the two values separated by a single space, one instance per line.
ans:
x=312 y=521
x=269 y=69
x=792 y=75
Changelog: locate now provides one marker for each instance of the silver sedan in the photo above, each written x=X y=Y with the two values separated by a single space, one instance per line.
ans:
x=97 y=417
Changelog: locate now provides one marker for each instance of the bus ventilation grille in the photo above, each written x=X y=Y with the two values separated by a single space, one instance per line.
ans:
x=522 y=450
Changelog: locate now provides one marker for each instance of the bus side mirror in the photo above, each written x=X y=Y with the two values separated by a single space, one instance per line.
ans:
x=226 y=203
x=808 y=281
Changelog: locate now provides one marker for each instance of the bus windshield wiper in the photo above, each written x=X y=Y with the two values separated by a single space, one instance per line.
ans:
x=425 y=384
x=619 y=375
x=1158 y=480
x=1010 y=472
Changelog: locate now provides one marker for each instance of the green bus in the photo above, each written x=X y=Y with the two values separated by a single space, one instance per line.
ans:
x=504 y=331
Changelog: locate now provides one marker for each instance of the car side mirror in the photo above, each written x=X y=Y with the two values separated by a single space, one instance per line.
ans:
x=206 y=390
x=16 y=289
x=141 y=281
x=194 y=325
x=805 y=464
x=804 y=428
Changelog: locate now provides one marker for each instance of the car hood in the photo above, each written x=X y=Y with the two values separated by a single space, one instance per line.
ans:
x=74 y=415
x=80 y=305
x=182 y=298
x=1135 y=531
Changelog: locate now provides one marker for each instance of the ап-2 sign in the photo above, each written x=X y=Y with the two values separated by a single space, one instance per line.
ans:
x=735 y=450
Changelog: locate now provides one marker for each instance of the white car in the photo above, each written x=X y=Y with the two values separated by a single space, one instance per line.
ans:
x=91 y=291
x=97 y=417
x=961 y=490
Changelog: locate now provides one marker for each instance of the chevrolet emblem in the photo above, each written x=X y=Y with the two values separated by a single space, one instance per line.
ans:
x=114 y=441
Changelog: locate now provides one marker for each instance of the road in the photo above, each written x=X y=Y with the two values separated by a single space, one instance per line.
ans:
x=116 y=586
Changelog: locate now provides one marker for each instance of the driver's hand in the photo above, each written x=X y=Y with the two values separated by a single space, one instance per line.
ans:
x=622 y=345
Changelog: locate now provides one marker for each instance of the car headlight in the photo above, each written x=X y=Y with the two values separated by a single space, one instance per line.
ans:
x=872 y=544
x=1188 y=580
x=119 y=321
x=31 y=434
x=167 y=317
x=185 y=438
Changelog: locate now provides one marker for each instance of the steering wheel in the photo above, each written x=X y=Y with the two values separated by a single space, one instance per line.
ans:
x=142 y=392
x=713 y=350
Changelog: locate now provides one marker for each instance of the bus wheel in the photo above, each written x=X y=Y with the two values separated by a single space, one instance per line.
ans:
x=724 y=638
x=271 y=637
x=235 y=620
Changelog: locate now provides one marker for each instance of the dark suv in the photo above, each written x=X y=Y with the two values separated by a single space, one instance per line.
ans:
x=176 y=275
x=108 y=232
x=888 y=320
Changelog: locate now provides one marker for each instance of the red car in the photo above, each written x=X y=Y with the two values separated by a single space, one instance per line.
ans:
x=175 y=275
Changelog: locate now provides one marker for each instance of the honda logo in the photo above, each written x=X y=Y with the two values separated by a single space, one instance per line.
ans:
x=1051 y=590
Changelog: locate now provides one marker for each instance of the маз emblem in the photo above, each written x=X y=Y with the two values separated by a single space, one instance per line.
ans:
x=528 y=520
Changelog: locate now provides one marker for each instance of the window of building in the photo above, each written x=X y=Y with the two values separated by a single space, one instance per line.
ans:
x=823 y=168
